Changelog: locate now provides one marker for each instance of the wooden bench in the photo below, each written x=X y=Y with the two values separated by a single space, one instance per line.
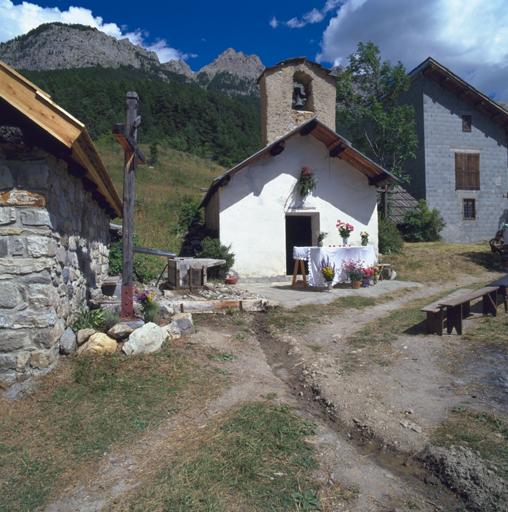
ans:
x=502 y=283
x=456 y=307
x=435 y=312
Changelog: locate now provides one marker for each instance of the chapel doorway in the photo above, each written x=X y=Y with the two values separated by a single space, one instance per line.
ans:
x=299 y=234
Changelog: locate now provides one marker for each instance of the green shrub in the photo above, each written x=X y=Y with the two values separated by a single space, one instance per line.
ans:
x=390 y=238
x=88 y=319
x=422 y=225
x=189 y=214
x=115 y=258
x=212 y=248
x=144 y=267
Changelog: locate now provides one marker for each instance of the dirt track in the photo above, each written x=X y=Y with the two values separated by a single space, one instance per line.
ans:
x=374 y=420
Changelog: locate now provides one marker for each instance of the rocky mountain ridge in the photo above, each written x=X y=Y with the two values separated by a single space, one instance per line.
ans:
x=59 y=46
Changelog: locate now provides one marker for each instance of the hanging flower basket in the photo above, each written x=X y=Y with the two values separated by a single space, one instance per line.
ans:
x=307 y=182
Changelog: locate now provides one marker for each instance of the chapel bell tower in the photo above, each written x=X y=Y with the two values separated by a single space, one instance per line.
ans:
x=292 y=92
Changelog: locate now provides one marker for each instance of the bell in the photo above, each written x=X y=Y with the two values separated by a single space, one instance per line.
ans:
x=299 y=103
x=298 y=96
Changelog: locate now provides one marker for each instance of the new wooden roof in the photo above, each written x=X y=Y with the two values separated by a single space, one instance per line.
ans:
x=337 y=146
x=462 y=89
x=39 y=108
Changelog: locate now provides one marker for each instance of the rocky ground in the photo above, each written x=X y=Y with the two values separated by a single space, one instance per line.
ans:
x=374 y=420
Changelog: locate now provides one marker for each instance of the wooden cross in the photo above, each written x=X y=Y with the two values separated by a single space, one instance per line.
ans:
x=126 y=134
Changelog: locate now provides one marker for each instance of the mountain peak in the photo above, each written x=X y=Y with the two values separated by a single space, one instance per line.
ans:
x=236 y=63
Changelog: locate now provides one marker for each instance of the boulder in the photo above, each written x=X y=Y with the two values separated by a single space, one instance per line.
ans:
x=120 y=331
x=68 y=342
x=145 y=340
x=183 y=321
x=172 y=331
x=83 y=335
x=98 y=344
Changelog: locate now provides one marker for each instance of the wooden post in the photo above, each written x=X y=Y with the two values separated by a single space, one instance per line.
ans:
x=127 y=136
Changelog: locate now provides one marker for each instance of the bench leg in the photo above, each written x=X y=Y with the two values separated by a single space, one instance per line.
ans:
x=490 y=303
x=454 y=319
x=435 y=322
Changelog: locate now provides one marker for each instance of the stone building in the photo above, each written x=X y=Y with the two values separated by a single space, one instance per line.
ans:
x=461 y=161
x=256 y=206
x=56 y=201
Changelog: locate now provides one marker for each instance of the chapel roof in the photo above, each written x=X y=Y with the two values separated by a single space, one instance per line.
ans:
x=41 y=111
x=431 y=68
x=337 y=146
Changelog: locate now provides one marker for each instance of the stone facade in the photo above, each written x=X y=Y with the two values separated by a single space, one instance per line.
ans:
x=53 y=250
x=276 y=88
x=438 y=115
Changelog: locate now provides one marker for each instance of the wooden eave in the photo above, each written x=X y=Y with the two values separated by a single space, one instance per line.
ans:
x=377 y=175
x=461 y=89
x=38 y=106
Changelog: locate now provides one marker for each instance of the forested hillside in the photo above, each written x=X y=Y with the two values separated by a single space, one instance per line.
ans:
x=184 y=117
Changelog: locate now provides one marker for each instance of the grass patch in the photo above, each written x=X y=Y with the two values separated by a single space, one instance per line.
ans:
x=84 y=408
x=303 y=317
x=160 y=191
x=481 y=433
x=255 y=458
x=433 y=262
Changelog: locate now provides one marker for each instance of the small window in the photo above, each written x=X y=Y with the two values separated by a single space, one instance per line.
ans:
x=467 y=171
x=469 y=207
x=466 y=123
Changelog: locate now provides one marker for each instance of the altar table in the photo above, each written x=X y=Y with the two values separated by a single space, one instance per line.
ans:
x=336 y=256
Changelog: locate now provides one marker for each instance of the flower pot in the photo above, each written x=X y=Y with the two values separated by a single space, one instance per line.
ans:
x=345 y=242
x=365 y=283
x=364 y=244
x=329 y=285
x=320 y=244
x=231 y=280
x=356 y=284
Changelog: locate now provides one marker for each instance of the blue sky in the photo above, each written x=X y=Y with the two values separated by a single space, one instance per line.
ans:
x=470 y=38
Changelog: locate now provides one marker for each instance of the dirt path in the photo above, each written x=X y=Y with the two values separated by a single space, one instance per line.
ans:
x=373 y=420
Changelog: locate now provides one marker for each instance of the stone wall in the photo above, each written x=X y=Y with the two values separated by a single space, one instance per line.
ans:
x=276 y=95
x=53 y=250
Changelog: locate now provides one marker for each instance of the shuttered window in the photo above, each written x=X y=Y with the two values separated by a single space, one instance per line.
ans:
x=467 y=171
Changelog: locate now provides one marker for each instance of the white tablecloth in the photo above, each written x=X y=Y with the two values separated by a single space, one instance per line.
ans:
x=336 y=256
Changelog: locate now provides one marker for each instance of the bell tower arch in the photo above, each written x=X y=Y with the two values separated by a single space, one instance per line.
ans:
x=292 y=92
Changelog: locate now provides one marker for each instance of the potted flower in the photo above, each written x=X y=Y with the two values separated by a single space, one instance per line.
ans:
x=328 y=272
x=365 y=237
x=353 y=271
x=367 y=274
x=320 y=237
x=149 y=307
x=308 y=181
x=345 y=230
x=377 y=273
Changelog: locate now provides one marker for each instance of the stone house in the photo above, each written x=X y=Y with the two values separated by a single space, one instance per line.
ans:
x=56 y=202
x=256 y=206
x=461 y=162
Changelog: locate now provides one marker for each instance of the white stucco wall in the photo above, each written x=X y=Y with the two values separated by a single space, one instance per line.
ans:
x=254 y=204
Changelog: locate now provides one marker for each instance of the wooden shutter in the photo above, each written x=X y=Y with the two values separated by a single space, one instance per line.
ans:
x=467 y=171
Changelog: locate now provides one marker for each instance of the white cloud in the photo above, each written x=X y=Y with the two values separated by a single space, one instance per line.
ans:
x=314 y=16
x=273 y=22
x=470 y=38
x=19 y=19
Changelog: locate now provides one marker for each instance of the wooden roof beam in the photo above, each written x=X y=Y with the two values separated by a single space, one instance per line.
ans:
x=479 y=105
x=337 y=150
x=377 y=179
x=278 y=148
x=308 y=129
x=444 y=81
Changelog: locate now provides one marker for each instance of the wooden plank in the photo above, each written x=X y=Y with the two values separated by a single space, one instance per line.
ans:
x=468 y=297
x=214 y=306
x=437 y=305
x=38 y=106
